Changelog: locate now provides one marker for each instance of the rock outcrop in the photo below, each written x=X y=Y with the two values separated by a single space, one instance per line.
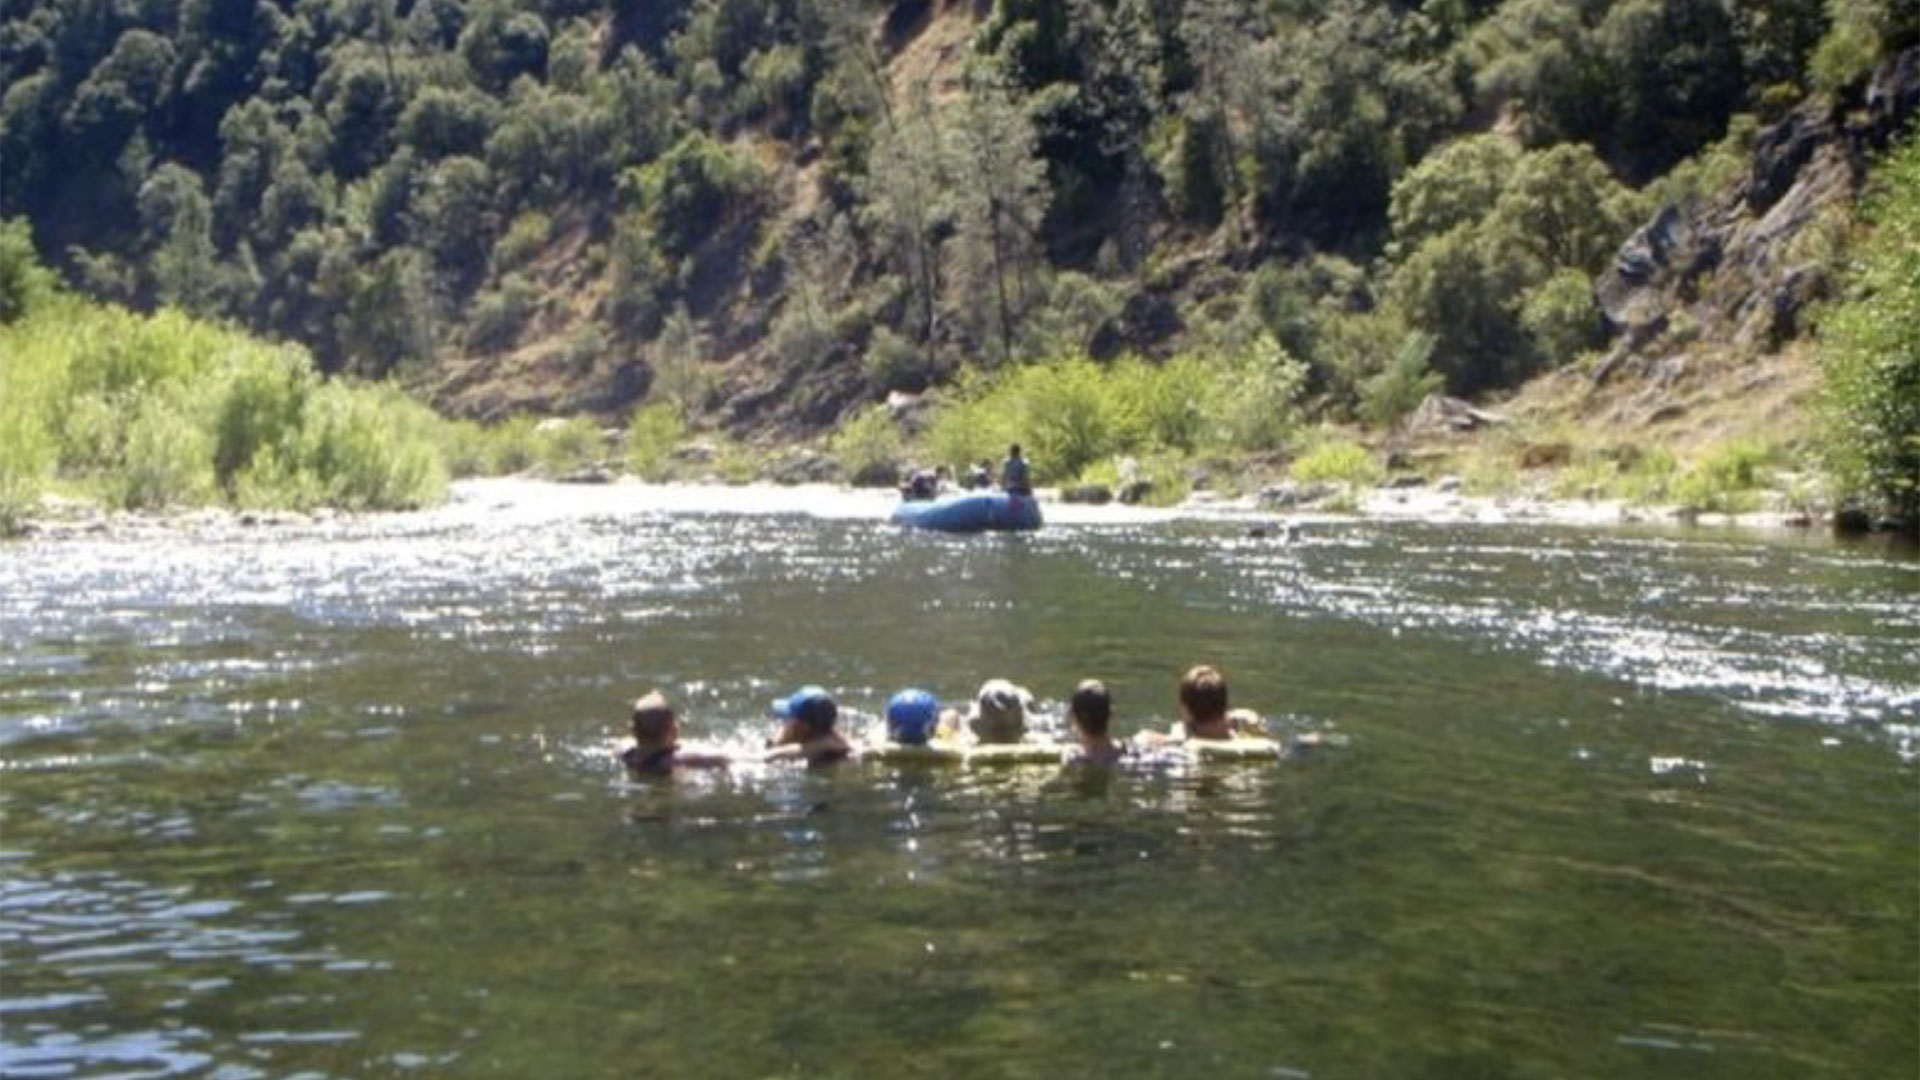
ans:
x=1743 y=265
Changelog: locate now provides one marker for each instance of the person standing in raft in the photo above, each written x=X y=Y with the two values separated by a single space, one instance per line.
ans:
x=656 y=740
x=1089 y=713
x=1014 y=478
x=809 y=716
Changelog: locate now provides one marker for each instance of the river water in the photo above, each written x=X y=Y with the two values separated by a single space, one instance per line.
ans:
x=337 y=801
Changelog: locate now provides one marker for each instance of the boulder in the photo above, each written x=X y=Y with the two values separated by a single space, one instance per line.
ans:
x=1135 y=491
x=587 y=474
x=1852 y=520
x=1087 y=494
x=1442 y=413
x=1288 y=494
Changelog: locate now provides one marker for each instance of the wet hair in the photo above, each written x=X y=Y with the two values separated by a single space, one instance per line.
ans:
x=1091 y=707
x=652 y=717
x=1203 y=692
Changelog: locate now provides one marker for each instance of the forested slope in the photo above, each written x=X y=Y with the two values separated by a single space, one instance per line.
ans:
x=769 y=211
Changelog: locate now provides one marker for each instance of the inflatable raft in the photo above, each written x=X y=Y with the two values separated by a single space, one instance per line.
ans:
x=1195 y=751
x=973 y=511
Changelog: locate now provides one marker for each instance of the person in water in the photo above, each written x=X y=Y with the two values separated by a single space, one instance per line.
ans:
x=1204 y=714
x=656 y=740
x=1014 y=477
x=1089 y=713
x=913 y=718
x=1203 y=703
x=809 y=715
x=999 y=713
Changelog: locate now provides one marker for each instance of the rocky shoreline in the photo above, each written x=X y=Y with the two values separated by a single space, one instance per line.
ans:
x=1276 y=509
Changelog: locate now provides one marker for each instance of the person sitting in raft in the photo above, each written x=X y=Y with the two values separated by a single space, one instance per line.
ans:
x=656 y=740
x=1014 y=479
x=920 y=485
x=999 y=713
x=913 y=718
x=1089 y=713
x=980 y=478
x=808 y=732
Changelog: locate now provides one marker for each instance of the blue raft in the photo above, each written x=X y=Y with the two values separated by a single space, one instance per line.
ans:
x=975 y=511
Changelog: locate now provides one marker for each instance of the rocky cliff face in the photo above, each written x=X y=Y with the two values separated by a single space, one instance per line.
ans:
x=1743 y=266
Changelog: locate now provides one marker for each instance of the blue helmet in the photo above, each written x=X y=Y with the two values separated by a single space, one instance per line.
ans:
x=912 y=716
x=810 y=705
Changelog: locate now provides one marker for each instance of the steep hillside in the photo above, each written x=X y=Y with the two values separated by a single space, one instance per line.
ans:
x=770 y=213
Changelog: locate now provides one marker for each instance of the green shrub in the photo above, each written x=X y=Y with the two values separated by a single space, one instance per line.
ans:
x=652 y=435
x=372 y=448
x=1725 y=481
x=169 y=459
x=500 y=315
x=260 y=400
x=567 y=446
x=1176 y=405
x=514 y=446
x=27 y=456
x=467 y=448
x=1338 y=462
x=1870 y=401
x=1649 y=477
x=868 y=448
x=973 y=423
x=1261 y=395
x=521 y=242
x=1399 y=387
x=24 y=283
x=1560 y=316
x=894 y=363
x=166 y=410
x=1070 y=414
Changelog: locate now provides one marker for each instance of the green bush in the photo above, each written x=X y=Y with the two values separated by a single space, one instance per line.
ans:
x=166 y=410
x=169 y=458
x=567 y=446
x=260 y=401
x=652 y=435
x=1399 y=387
x=1338 y=462
x=467 y=448
x=1260 y=392
x=24 y=283
x=1870 y=401
x=1724 y=481
x=27 y=456
x=868 y=448
x=894 y=363
x=372 y=448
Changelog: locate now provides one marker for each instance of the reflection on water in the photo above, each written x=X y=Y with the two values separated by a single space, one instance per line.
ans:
x=338 y=801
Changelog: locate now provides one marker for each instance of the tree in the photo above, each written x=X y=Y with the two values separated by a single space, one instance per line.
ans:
x=1001 y=195
x=182 y=266
x=1676 y=66
x=1455 y=185
x=1870 y=352
x=23 y=281
x=680 y=373
x=903 y=176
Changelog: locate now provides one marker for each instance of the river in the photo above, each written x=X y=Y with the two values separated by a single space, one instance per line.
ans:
x=337 y=800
